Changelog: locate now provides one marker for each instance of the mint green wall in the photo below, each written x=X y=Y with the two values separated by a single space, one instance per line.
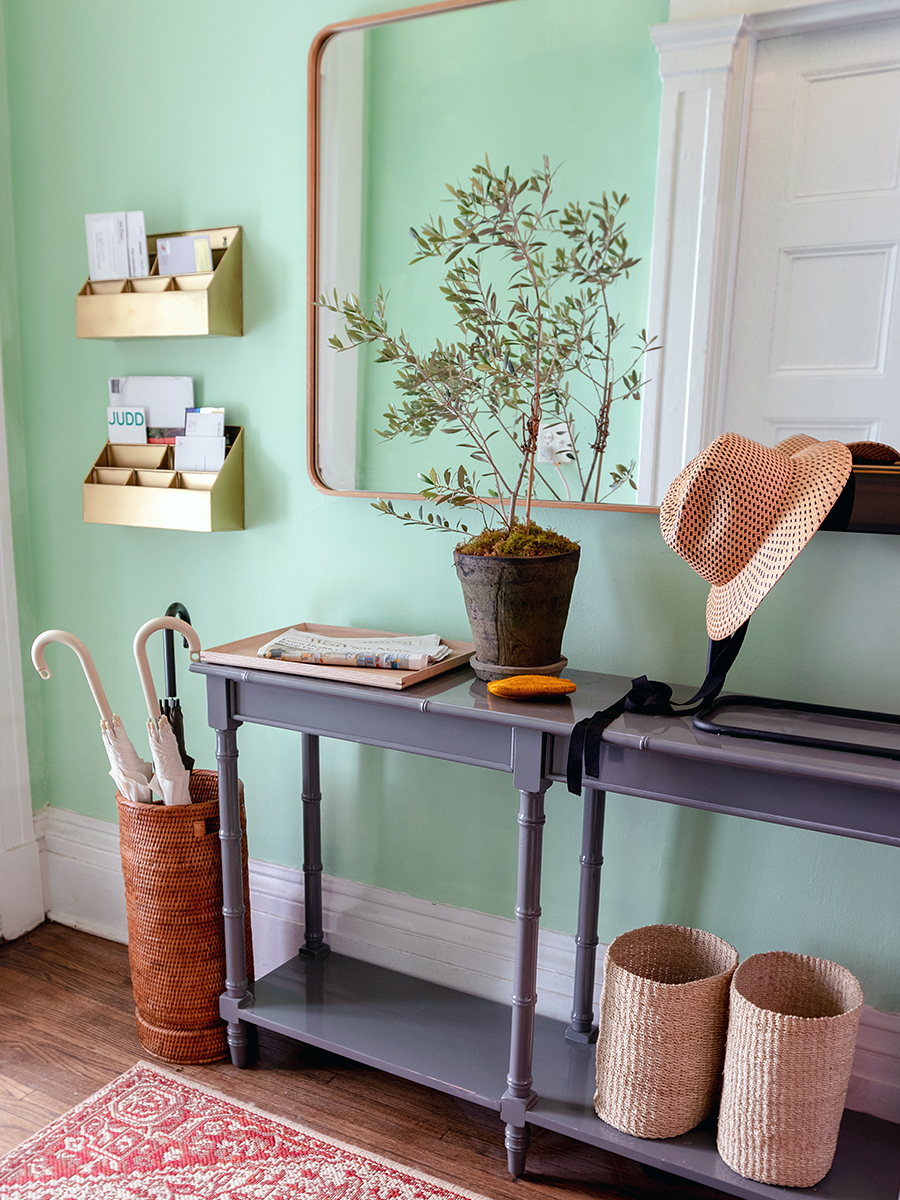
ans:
x=514 y=82
x=196 y=113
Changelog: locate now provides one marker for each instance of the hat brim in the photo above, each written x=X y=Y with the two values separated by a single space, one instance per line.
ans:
x=873 y=452
x=820 y=471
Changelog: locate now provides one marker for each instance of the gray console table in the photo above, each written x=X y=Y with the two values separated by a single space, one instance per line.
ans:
x=467 y=1046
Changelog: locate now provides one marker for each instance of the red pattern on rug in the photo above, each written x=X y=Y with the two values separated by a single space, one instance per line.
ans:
x=151 y=1136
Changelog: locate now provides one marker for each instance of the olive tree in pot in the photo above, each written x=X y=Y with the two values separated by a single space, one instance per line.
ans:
x=534 y=352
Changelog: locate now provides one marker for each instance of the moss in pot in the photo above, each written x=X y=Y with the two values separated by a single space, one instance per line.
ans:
x=517 y=586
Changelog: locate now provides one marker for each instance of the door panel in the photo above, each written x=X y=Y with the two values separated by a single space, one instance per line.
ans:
x=815 y=343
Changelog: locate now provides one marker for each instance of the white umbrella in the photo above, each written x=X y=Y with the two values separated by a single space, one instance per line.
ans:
x=129 y=771
x=170 y=779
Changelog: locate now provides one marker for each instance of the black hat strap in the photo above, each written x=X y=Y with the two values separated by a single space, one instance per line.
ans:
x=651 y=698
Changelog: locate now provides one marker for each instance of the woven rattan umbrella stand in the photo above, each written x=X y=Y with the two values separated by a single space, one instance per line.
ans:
x=176 y=945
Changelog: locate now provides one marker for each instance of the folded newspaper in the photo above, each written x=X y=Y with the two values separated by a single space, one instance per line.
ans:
x=388 y=653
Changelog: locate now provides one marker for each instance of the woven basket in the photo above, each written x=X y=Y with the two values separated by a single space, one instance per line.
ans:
x=663 y=1021
x=791 y=1038
x=171 y=861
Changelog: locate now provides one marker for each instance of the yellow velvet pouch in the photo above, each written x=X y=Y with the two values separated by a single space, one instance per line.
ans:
x=530 y=687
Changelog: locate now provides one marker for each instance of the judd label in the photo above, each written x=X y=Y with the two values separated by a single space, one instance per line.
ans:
x=126 y=424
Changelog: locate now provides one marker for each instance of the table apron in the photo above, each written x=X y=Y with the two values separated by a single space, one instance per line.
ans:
x=809 y=802
x=411 y=729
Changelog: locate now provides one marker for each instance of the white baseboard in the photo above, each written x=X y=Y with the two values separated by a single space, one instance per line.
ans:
x=470 y=951
x=875 y=1082
x=21 y=902
x=81 y=872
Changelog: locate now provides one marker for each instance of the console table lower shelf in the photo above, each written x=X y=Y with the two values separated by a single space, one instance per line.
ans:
x=459 y=1044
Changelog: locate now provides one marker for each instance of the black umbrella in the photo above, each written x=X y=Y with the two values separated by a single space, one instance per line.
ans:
x=171 y=706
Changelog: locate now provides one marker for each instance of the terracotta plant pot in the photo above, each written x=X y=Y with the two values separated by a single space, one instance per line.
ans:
x=517 y=608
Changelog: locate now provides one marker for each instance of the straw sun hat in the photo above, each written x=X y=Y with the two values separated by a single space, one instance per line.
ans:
x=862 y=452
x=740 y=513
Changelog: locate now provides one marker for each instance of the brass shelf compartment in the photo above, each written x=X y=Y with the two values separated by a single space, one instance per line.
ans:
x=208 y=304
x=137 y=485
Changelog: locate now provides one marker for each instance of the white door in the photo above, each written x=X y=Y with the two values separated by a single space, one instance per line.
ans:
x=815 y=341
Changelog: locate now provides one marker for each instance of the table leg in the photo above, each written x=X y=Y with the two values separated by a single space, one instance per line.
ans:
x=236 y=986
x=582 y=1028
x=519 y=1095
x=314 y=944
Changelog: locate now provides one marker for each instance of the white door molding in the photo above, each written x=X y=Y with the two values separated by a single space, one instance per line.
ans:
x=811 y=18
x=21 y=899
x=702 y=66
x=706 y=69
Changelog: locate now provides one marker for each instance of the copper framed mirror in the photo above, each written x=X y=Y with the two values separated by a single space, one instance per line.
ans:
x=405 y=102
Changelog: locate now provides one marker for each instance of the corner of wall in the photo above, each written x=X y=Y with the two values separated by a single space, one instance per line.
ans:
x=16 y=549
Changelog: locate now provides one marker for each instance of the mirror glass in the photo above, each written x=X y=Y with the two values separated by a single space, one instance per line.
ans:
x=405 y=107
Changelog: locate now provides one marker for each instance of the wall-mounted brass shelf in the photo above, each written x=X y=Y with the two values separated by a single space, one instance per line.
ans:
x=201 y=305
x=136 y=485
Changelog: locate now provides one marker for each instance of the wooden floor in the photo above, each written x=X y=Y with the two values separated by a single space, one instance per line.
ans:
x=67 y=1028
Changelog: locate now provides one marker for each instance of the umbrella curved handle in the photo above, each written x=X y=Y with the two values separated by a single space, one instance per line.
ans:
x=174 y=610
x=140 y=654
x=87 y=663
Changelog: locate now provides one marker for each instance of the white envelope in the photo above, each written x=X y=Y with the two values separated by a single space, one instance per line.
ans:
x=165 y=397
x=199 y=453
x=184 y=255
x=204 y=422
x=137 y=244
x=107 y=245
x=126 y=424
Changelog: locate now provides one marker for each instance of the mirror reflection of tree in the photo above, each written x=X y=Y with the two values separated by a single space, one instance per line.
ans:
x=423 y=99
x=537 y=348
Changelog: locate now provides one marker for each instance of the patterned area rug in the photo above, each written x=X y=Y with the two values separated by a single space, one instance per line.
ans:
x=149 y=1135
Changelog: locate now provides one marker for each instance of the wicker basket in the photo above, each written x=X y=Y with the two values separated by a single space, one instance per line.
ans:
x=791 y=1038
x=171 y=861
x=663 y=1021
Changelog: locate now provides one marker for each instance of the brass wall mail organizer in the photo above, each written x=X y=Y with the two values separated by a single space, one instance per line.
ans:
x=209 y=303
x=136 y=485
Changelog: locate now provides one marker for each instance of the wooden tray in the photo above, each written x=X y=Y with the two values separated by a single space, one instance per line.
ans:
x=243 y=654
